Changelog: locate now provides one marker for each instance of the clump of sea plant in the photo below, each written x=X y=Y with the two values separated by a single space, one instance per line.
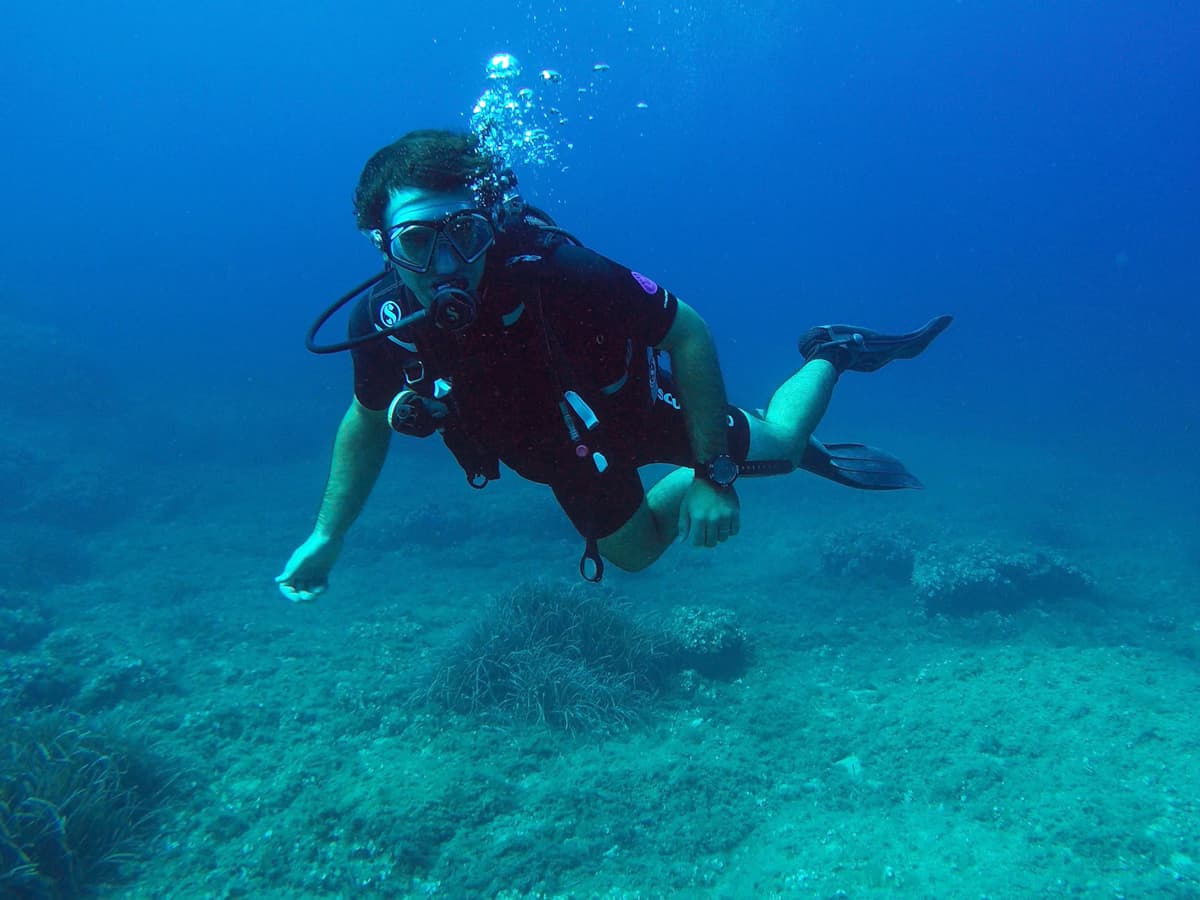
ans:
x=75 y=805
x=570 y=657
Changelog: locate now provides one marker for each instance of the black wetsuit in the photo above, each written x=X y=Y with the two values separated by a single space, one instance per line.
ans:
x=560 y=318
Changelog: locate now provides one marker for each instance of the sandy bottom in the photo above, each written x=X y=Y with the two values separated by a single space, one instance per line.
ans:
x=867 y=749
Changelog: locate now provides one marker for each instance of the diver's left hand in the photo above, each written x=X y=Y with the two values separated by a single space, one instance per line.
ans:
x=708 y=514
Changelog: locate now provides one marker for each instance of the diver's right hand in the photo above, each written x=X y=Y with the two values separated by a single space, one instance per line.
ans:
x=306 y=574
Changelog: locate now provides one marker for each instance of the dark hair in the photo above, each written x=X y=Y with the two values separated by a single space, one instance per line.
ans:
x=429 y=159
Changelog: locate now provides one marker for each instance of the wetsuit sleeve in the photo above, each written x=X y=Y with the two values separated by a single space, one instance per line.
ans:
x=377 y=377
x=609 y=293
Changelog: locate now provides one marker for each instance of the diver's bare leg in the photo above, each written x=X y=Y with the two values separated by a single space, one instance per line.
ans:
x=793 y=413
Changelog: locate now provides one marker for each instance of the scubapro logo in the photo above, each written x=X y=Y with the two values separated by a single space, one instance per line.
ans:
x=390 y=313
x=668 y=398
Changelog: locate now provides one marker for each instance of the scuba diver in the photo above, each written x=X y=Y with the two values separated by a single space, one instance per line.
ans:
x=501 y=333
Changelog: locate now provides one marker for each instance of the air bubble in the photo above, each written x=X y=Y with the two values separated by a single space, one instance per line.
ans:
x=503 y=66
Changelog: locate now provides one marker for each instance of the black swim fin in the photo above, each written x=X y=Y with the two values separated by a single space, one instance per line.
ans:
x=855 y=349
x=858 y=466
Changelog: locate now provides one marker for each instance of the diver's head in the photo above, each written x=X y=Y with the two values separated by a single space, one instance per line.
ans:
x=435 y=240
x=429 y=203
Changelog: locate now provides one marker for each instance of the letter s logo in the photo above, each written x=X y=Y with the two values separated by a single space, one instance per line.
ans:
x=390 y=313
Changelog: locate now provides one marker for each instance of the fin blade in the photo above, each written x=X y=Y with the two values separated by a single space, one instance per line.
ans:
x=858 y=466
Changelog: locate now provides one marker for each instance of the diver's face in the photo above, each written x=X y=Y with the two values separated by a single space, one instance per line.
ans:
x=415 y=204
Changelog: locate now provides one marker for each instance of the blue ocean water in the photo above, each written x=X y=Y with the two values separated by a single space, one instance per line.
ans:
x=178 y=210
x=1030 y=168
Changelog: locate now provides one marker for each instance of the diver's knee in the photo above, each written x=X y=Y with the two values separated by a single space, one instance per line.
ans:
x=627 y=556
x=628 y=563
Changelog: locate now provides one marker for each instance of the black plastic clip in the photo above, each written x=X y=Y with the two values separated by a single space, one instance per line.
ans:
x=591 y=566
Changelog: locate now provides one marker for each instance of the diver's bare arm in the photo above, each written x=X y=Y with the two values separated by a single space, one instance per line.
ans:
x=698 y=381
x=358 y=454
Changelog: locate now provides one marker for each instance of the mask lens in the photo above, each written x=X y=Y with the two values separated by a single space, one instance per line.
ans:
x=412 y=246
x=470 y=233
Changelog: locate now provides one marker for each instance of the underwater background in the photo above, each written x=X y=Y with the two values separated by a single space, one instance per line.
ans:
x=986 y=688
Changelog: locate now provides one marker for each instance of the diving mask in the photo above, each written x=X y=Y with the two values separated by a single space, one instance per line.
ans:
x=411 y=245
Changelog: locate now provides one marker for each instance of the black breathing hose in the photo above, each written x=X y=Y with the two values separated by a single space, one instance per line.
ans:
x=310 y=339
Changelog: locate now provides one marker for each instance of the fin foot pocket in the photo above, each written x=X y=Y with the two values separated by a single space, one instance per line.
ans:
x=854 y=349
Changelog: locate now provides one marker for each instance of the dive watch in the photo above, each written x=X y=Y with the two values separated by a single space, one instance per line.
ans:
x=721 y=471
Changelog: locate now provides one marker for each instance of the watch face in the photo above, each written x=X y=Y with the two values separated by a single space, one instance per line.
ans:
x=723 y=471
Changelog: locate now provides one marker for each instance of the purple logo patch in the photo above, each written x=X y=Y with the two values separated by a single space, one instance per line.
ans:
x=645 y=283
